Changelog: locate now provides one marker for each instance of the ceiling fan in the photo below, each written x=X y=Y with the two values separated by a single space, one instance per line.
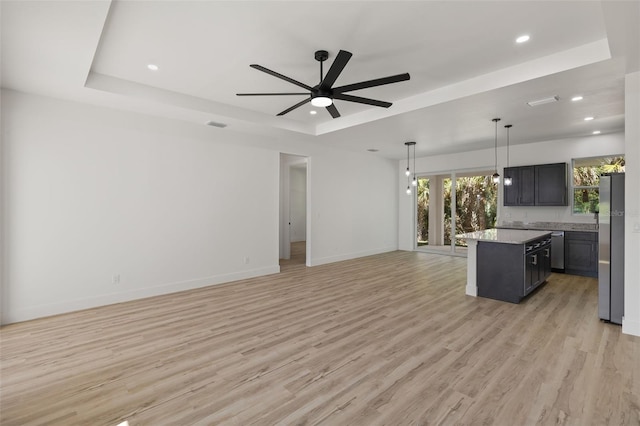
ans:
x=323 y=94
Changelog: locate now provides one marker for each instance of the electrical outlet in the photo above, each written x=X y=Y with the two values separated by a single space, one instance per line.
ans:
x=115 y=279
x=246 y=260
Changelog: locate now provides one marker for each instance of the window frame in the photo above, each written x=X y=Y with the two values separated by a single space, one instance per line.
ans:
x=583 y=187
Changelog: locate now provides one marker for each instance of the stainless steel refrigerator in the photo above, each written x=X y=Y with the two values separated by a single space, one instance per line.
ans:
x=611 y=248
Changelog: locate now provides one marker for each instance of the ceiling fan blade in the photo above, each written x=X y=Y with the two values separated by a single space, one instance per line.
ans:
x=278 y=75
x=336 y=68
x=360 y=100
x=299 y=104
x=270 y=94
x=333 y=111
x=372 y=83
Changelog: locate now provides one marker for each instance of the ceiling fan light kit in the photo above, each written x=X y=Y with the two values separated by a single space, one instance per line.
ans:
x=324 y=94
x=321 y=101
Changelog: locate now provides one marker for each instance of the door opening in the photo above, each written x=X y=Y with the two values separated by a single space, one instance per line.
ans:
x=294 y=242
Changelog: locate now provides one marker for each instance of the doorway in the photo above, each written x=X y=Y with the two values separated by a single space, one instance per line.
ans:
x=293 y=210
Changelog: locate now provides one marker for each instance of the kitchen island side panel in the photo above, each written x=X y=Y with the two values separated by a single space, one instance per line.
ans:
x=500 y=271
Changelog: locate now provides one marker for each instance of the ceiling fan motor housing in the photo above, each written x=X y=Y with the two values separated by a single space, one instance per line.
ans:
x=324 y=93
x=321 y=55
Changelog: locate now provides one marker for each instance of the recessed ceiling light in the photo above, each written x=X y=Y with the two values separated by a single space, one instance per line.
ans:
x=522 y=39
x=313 y=112
x=153 y=67
x=588 y=118
x=576 y=98
x=596 y=132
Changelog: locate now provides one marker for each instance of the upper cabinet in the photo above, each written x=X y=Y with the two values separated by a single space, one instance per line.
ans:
x=522 y=191
x=539 y=185
x=551 y=184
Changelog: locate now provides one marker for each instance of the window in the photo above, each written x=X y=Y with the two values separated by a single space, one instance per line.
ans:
x=586 y=178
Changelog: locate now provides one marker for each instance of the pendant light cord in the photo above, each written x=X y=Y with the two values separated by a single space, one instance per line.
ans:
x=495 y=120
x=414 y=161
x=508 y=126
x=496 y=146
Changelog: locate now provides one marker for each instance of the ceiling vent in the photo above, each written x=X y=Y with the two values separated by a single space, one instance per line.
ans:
x=215 y=124
x=544 y=101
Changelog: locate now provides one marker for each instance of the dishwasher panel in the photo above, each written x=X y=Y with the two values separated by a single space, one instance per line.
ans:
x=557 y=251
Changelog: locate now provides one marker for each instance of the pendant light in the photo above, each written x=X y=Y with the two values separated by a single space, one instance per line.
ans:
x=408 y=171
x=508 y=181
x=496 y=176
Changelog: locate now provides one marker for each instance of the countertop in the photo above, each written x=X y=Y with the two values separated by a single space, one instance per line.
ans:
x=508 y=236
x=550 y=226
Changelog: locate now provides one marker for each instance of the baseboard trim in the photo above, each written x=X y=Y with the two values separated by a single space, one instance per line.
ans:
x=630 y=327
x=349 y=256
x=41 y=311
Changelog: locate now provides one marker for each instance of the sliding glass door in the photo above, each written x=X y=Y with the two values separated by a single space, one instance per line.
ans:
x=451 y=204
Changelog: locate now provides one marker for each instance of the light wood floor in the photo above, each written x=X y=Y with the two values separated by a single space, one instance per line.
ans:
x=298 y=255
x=388 y=339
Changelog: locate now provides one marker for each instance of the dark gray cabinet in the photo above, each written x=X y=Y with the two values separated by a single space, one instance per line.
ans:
x=522 y=191
x=509 y=272
x=538 y=185
x=551 y=184
x=581 y=253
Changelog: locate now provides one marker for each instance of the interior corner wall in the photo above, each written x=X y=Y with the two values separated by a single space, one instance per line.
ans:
x=352 y=209
x=631 y=319
x=2 y=203
x=103 y=206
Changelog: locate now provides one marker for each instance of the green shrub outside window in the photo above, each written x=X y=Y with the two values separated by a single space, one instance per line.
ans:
x=586 y=181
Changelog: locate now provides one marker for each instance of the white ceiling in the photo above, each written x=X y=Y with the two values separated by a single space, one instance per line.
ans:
x=464 y=64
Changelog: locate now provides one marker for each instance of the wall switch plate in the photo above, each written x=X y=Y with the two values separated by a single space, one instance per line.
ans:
x=636 y=227
x=115 y=279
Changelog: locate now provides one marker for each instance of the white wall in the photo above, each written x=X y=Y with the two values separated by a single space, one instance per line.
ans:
x=631 y=320
x=352 y=212
x=91 y=193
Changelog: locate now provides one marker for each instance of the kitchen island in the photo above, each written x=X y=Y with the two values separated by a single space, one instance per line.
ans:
x=506 y=264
